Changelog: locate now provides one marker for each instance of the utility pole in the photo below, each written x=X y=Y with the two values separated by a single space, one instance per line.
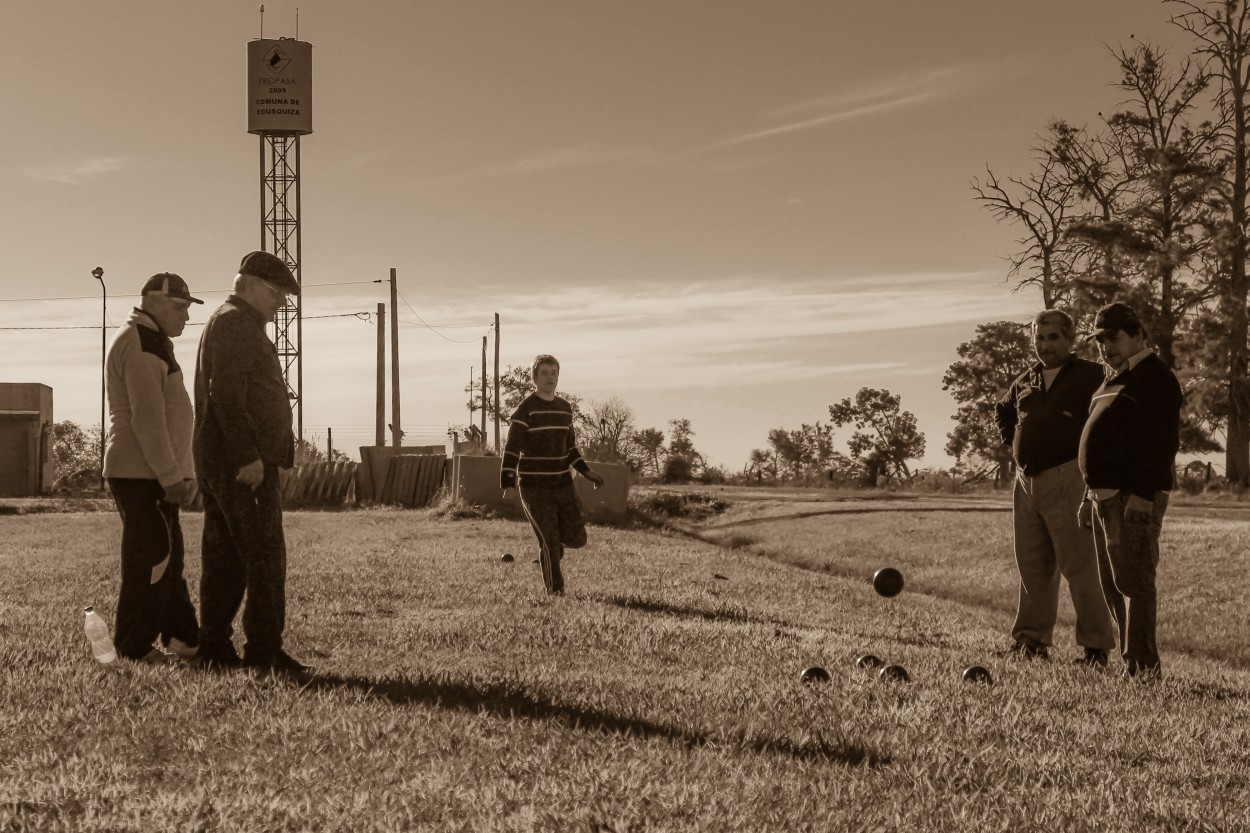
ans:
x=396 y=433
x=498 y=404
x=379 y=438
x=329 y=445
x=98 y=274
x=483 y=390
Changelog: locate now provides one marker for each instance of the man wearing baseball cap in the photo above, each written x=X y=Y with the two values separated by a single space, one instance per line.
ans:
x=243 y=436
x=148 y=463
x=1127 y=453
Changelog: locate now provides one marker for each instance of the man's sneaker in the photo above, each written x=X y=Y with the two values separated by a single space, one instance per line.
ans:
x=157 y=656
x=1094 y=658
x=1025 y=650
x=182 y=650
x=279 y=663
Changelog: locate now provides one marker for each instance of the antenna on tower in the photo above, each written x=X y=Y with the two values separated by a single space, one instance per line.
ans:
x=262 y=21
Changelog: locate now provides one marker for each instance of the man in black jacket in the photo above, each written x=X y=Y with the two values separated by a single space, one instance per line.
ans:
x=1128 y=451
x=243 y=435
x=1041 y=417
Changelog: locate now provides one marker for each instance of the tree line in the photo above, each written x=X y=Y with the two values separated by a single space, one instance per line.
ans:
x=1147 y=205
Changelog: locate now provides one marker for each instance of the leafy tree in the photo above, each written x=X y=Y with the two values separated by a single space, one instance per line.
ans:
x=515 y=384
x=1166 y=175
x=650 y=445
x=681 y=443
x=987 y=365
x=891 y=438
x=760 y=463
x=1221 y=30
x=74 y=449
x=801 y=453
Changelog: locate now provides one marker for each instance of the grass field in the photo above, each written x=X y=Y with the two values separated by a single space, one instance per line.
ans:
x=661 y=694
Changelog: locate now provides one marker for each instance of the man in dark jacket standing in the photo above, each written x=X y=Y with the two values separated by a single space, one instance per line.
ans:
x=1041 y=418
x=1128 y=451
x=243 y=435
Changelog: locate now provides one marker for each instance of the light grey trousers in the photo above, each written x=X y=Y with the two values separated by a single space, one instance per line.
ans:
x=1050 y=543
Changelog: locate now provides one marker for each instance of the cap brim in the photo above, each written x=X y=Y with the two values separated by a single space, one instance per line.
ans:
x=194 y=300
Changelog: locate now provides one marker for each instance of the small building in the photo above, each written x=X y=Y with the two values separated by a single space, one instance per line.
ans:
x=25 y=439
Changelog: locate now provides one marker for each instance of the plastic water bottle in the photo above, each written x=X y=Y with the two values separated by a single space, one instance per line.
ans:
x=98 y=632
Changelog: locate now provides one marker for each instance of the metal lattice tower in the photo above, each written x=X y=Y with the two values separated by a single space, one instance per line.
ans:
x=280 y=234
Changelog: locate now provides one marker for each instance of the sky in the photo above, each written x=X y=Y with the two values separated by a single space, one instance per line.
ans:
x=736 y=213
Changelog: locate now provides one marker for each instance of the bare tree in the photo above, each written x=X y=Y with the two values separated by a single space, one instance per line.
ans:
x=1042 y=203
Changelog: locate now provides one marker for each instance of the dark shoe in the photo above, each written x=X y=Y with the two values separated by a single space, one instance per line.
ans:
x=1094 y=658
x=213 y=658
x=279 y=663
x=1025 y=650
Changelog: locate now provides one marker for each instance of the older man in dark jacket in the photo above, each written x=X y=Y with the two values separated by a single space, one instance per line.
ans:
x=243 y=436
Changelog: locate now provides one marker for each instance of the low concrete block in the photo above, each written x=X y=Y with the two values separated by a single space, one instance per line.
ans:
x=475 y=481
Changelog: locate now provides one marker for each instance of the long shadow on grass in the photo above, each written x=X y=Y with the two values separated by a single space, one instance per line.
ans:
x=687 y=611
x=510 y=701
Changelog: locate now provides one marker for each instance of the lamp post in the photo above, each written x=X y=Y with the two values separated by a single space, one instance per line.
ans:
x=98 y=274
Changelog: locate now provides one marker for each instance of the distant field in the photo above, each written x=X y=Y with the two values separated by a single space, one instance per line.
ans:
x=961 y=549
x=661 y=694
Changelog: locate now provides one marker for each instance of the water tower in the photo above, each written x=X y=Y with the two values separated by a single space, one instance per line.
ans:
x=279 y=92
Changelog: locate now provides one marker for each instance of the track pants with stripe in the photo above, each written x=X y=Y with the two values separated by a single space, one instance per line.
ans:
x=556 y=515
x=153 y=601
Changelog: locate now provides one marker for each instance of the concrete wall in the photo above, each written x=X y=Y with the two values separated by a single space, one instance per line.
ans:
x=475 y=480
x=25 y=439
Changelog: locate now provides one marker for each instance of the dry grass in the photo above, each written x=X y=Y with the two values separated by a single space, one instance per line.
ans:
x=661 y=694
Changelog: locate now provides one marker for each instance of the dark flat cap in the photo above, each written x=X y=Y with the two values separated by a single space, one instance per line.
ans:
x=1113 y=318
x=271 y=269
x=167 y=283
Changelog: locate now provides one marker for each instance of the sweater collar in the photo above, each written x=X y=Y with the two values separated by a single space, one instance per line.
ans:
x=143 y=319
x=237 y=300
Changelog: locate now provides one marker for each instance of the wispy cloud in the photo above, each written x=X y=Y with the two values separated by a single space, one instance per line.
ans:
x=76 y=173
x=737 y=331
x=874 y=97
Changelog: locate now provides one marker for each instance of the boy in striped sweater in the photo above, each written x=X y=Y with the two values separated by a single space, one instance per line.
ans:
x=537 y=458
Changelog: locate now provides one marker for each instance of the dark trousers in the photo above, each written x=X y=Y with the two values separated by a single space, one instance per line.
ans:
x=1128 y=555
x=556 y=515
x=244 y=554
x=153 y=601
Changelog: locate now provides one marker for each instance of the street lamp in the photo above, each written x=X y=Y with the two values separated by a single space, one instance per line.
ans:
x=98 y=274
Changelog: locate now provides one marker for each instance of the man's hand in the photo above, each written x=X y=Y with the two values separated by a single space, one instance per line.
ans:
x=252 y=474
x=1085 y=514
x=192 y=493
x=595 y=477
x=181 y=493
x=1138 y=509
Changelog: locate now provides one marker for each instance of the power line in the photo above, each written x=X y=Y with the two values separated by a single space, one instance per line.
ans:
x=426 y=324
x=363 y=316
x=198 y=291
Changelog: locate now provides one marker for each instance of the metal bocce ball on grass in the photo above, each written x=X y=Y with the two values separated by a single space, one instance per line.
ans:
x=815 y=674
x=887 y=582
x=869 y=662
x=977 y=674
x=894 y=673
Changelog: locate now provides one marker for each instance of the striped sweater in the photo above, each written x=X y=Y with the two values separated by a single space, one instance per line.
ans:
x=541 y=445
